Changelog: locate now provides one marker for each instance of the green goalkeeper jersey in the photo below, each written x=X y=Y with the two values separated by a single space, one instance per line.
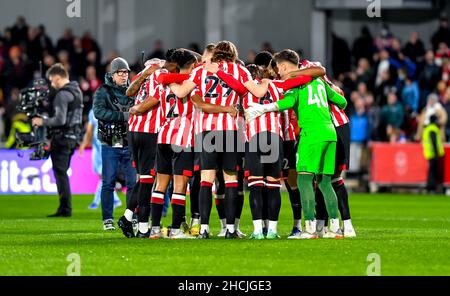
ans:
x=310 y=103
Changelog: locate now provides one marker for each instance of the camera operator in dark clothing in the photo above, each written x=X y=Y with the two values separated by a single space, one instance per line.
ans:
x=111 y=107
x=64 y=128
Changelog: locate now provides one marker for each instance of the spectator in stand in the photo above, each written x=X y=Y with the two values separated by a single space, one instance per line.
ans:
x=399 y=60
x=11 y=108
x=384 y=65
x=363 y=71
x=19 y=32
x=374 y=115
x=385 y=39
x=34 y=48
x=158 y=51
x=447 y=110
x=266 y=46
x=64 y=59
x=92 y=60
x=78 y=58
x=446 y=70
x=392 y=116
x=361 y=93
x=435 y=108
x=7 y=38
x=428 y=78
x=363 y=47
x=359 y=136
x=194 y=47
x=89 y=85
x=414 y=49
x=18 y=72
x=66 y=42
x=89 y=44
x=44 y=40
x=442 y=34
x=250 y=57
x=382 y=91
x=441 y=89
x=48 y=61
x=441 y=53
x=359 y=124
x=411 y=95
x=341 y=58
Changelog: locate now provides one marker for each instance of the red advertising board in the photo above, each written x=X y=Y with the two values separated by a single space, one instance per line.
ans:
x=402 y=164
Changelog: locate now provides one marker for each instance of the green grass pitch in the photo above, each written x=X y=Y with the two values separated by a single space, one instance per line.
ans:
x=410 y=234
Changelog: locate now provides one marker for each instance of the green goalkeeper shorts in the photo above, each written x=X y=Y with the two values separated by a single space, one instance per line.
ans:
x=317 y=158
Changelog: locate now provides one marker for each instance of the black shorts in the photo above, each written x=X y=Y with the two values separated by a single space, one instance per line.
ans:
x=197 y=161
x=343 y=146
x=219 y=150
x=179 y=162
x=289 y=157
x=263 y=155
x=143 y=152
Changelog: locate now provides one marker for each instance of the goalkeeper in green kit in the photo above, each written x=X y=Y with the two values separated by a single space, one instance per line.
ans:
x=317 y=147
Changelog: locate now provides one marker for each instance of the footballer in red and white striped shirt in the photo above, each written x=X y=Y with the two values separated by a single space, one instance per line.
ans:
x=269 y=122
x=149 y=122
x=174 y=155
x=177 y=115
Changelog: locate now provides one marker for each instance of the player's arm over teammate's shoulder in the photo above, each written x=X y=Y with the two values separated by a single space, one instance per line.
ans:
x=334 y=97
x=289 y=100
x=182 y=90
x=314 y=71
x=199 y=103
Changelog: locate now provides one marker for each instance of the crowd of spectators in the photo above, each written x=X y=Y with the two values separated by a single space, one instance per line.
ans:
x=393 y=85
x=23 y=47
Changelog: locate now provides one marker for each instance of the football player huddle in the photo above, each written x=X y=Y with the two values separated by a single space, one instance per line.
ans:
x=208 y=121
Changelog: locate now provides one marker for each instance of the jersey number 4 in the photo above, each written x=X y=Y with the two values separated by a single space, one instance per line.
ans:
x=318 y=98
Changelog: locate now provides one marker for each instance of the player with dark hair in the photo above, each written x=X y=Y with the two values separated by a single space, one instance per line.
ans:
x=219 y=131
x=143 y=126
x=174 y=157
x=342 y=125
x=288 y=124
x=317 y=146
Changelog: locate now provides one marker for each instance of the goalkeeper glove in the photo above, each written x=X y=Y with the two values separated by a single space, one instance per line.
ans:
x=256 y=110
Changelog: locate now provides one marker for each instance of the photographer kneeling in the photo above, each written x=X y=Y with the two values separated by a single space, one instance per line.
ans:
x=111 y=107
x=64 y=128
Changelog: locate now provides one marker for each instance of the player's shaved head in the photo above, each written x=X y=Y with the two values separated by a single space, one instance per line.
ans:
x=210 y=47
x=225 y=51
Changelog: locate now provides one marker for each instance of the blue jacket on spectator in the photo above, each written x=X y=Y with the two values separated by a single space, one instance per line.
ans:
x=359 y=128
x=411 y=95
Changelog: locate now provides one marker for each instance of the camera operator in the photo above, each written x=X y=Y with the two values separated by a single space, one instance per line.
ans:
x=64 y=128
x=111 y=107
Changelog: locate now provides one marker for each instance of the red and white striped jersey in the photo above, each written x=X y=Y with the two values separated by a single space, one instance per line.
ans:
x=288 y=118
x=215 y=91
x=149 y=122
x=177 y=120
x=268 y=122
x=337 y=115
